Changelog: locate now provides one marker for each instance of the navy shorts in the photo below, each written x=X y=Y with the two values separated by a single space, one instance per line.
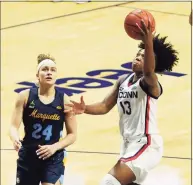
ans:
x=32 y=171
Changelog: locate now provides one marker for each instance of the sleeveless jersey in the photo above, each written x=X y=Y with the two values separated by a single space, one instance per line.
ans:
x=43 y=123
x=137 y=110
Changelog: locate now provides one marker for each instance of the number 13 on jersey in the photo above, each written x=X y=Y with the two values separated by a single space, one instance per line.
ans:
x=126 y=107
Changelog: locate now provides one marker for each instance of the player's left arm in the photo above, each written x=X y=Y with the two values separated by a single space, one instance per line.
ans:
x=71 y=129
x=149 y=80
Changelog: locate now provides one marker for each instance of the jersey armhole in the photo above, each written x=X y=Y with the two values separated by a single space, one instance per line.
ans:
x=148 y=93
x=28 y=98
x=61 y=96
x=123 y=79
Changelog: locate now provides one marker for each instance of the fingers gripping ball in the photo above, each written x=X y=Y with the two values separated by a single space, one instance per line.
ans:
x=135 y=17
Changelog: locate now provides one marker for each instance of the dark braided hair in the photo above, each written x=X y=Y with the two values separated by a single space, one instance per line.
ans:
x=165 y=56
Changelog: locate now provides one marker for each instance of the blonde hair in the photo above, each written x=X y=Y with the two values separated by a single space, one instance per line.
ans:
x=42 y=57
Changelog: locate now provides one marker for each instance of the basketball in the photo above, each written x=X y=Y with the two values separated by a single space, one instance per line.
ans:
x=135 y=17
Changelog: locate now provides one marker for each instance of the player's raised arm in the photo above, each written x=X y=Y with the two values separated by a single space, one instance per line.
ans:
x=159 y=56
x=150 y=78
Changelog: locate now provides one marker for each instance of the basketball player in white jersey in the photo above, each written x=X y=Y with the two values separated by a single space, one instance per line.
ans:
x=136 y=97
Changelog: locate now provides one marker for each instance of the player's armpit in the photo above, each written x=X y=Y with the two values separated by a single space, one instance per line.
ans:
x=151 y=85
x=71 y=132
x=111 y=99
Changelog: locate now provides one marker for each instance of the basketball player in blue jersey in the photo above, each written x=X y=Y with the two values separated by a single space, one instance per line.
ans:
x=136 y=96
x=41 y=152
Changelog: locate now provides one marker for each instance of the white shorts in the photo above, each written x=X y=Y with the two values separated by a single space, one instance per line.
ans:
x=142 y=155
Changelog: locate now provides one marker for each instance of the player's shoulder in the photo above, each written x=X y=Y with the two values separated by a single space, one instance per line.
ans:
x=22 y=97
x=24 y=93
x=66 y=99
x=61 y=94
x=123 y=78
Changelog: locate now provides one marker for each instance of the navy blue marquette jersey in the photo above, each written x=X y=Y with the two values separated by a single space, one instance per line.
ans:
x=43 y=123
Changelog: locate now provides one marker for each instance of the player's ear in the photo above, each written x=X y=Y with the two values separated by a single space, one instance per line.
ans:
x=37 y=76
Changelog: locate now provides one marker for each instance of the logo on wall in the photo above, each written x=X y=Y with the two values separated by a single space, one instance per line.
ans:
x=101 y=80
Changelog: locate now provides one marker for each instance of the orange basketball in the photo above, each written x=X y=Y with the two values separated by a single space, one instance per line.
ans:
x=135 y=17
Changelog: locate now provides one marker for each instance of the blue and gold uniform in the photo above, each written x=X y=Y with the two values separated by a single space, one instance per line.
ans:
x=43 y=125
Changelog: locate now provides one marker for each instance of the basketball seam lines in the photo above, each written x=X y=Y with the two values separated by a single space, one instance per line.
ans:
x=132 y=26
x=136 y=15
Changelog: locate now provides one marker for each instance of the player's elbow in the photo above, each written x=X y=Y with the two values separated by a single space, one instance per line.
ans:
x=104 y=108
x=147 y=71
x=12 y=132
x=107 y=106
x=12 y=129
x=73 y=137
x=107 y=109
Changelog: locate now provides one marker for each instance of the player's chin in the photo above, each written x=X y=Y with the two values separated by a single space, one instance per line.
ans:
x=136 y=68
x=50 y=83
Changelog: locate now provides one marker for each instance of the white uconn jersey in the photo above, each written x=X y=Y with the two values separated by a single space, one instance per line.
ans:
x=137 y=110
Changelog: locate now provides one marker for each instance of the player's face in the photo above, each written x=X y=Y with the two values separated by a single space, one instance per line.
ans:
x=137 y=64
x=47 y=75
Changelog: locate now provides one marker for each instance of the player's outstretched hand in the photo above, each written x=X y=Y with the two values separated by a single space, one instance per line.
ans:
x=75 y=107
x=146 y=31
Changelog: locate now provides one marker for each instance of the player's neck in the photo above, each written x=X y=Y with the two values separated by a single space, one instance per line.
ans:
x=46 y=91
x=137 y=76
